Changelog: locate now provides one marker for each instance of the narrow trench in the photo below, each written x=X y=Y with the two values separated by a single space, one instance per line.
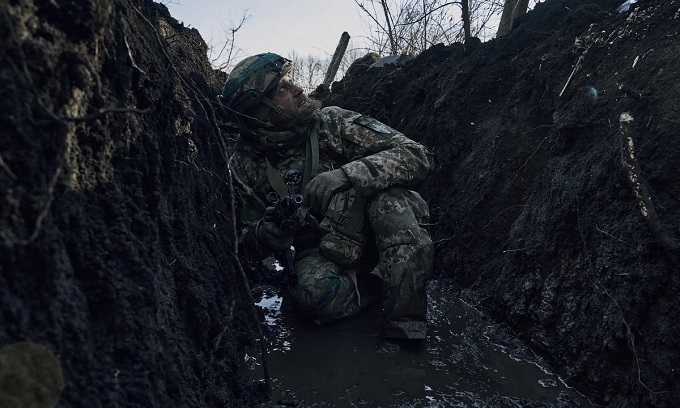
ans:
x=466 y=361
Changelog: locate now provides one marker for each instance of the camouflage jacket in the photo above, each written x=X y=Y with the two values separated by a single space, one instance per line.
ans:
x=373 y=155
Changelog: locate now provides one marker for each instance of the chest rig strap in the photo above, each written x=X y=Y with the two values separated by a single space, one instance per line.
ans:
x=311 y=165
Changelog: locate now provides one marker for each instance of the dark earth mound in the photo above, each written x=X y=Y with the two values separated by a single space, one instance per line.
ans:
x=553 y=210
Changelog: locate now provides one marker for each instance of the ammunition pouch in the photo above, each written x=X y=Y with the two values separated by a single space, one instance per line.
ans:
x=345 y=219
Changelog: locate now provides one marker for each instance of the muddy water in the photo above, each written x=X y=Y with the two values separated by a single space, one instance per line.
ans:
x=465 y=362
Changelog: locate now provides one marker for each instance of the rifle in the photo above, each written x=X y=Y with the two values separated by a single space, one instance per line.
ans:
x=286 y=217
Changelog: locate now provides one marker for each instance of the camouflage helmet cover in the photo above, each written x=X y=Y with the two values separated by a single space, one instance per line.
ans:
x=251 y=79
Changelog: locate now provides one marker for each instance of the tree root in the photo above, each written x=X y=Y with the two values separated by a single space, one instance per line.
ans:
x=641 y=191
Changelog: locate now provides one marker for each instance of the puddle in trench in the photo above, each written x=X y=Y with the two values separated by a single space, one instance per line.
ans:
x=465 y=362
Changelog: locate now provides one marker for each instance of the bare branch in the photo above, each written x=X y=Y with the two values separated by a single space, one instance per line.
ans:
x=411 y=26
x=229 y=45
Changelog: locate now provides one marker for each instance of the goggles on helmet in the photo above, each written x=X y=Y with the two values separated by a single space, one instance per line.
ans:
x=251 y=79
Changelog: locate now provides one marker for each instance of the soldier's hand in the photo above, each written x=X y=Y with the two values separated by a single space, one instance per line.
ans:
x=273 y=236
x=322 y=188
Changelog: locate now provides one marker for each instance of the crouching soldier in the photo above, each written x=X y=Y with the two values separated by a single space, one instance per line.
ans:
x=334 y=185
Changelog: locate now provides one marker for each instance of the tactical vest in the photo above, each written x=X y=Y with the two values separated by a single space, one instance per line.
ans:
x=343 y=223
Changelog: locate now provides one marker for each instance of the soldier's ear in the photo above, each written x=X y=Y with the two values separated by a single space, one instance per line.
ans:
x=258 y=117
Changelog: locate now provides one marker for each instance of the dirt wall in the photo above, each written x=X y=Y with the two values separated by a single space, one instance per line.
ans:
x=547 y=213
x=116 y=223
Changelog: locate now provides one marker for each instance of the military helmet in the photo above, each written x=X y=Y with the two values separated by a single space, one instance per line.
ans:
x=251 y=79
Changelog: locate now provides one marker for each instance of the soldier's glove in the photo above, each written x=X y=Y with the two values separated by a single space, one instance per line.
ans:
x=272 y=236
x=323 y=187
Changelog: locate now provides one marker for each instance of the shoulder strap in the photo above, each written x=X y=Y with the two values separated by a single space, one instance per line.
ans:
x=275 y=180
x=312 y=159
x=311 y=164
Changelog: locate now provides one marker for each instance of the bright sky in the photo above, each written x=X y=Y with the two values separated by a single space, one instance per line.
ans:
x=306 y=27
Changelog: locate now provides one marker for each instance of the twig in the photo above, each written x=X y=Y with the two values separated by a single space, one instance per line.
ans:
x=227 y=327
x=629 y=331
x=438 y=243
x=230 y=43
x=609 y=235
x=6 y=168
x=499 y=214
x=132 y=60
x=671 y=120
x=44 y=211
x=520 y=249
x=608 y=38
x=187 y=164
x=578 y=65
x=528 y=158
x=537 y=127
x=631 y=340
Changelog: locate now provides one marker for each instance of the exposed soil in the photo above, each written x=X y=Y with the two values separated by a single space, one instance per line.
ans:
x=536 y=212
x=116 y=222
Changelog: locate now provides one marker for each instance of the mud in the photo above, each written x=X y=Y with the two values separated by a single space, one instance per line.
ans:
x=467 y=361
x=553 y=217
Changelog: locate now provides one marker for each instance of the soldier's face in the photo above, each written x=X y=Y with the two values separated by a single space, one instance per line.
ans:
x=289 y=96
x=293 y=101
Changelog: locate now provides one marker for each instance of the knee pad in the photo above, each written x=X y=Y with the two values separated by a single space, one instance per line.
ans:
x=318 y=282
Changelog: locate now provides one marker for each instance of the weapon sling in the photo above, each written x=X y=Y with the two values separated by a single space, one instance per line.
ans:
x=277 y=183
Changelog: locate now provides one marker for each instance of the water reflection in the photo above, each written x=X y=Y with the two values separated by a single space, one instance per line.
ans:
x=465 y=362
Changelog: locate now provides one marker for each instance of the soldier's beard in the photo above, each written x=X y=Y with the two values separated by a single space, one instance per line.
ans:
x=306 y=109
x=299 y=116
x=285 y=132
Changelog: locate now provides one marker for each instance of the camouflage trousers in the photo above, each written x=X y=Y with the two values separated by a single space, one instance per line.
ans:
x=326 y=291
